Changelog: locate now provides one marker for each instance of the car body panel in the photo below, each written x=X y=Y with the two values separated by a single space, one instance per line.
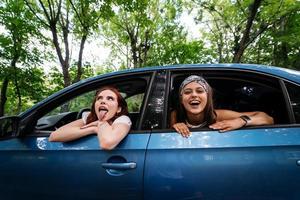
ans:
x=248 y=164
x=34 y=168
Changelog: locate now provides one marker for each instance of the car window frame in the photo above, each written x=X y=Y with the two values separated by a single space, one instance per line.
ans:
x=28 y=122
x=288 y=98
x=190 y=71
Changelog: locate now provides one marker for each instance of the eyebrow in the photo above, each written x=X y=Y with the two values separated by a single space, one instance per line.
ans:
x=200 y=87
x=106 y=96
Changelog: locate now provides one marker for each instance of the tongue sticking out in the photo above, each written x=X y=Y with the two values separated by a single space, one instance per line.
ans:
x=102 y=114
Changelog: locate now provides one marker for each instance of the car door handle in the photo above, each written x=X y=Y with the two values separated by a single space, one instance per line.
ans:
x=119 y=166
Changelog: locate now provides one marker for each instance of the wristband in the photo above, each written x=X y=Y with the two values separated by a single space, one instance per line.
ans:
x=246 y=119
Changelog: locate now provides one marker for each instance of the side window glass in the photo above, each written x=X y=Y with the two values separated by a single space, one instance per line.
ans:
x=66 y=112
x=75 y=104
x=134 y=103
x=294 y=95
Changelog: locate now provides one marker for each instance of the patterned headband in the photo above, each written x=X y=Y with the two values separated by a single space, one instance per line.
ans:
x=194 y=78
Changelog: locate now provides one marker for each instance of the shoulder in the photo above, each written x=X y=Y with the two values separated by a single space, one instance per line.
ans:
x=84 y=116
x=123 y=119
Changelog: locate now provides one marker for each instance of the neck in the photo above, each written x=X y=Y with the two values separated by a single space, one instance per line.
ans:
x=195 y=119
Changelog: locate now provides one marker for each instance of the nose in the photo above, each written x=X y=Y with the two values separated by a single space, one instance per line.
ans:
x=102 y=101
x=194 y=93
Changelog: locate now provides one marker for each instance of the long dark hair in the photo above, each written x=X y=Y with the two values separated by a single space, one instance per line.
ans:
x=121 y=103
x=209 y=111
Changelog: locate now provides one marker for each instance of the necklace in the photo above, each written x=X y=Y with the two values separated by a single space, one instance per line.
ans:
x=196 y=126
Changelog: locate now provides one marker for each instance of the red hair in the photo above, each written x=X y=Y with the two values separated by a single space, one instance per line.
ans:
x=121 y=103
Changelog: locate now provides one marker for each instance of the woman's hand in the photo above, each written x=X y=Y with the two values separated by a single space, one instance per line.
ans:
x=95 y=125
x=182 y=129
x=228 y=125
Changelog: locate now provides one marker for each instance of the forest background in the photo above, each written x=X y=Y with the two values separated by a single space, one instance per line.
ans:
x=46 y=45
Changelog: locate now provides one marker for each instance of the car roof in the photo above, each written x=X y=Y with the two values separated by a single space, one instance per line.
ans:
x=285 y=73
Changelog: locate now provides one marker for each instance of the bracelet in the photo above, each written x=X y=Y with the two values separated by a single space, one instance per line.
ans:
x=246 y=119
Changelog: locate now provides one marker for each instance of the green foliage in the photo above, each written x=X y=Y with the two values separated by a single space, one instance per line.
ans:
x=134 y=103
x=226 y=22
x=31 y=81
x=171 y=47
x=88 y=13
x=54 y=81
x=18 y=56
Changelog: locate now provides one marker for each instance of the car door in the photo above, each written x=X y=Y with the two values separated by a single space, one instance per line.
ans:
x=31 y=167
x=251 y=163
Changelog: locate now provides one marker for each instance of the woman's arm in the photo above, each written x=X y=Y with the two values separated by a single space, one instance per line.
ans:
x=111 y=135
x=230 y=120
x=71 y=131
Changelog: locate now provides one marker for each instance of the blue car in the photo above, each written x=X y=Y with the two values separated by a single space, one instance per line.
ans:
x=154 y=161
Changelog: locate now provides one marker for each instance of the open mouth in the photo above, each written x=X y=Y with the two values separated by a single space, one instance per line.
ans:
x=194 y=103
x=102 y=112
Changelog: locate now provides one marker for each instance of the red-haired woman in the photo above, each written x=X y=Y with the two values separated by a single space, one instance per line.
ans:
x=108 y=119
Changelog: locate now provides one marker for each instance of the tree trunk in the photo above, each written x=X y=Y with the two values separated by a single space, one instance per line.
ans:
x=13 y=65
x=242 y=45
x=63 y=62
x=3 y=97
x=79 y=64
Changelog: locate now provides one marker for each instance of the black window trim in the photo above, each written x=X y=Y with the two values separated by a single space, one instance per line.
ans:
x=287 y=102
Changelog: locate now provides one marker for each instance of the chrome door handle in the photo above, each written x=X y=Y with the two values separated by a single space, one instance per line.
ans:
x=119 y=166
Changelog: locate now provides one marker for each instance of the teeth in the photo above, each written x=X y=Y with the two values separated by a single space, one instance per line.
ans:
x=195 y=102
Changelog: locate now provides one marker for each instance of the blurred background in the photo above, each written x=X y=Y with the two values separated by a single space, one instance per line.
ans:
x=46 y=45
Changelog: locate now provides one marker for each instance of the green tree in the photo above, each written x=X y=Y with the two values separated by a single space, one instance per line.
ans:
x=234 y=26
x=87 y=15
x=16 y=50
x=170 y=46
x=67 y=19
x=129 y=32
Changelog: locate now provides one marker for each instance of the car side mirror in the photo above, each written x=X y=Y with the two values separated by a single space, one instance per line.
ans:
x=9 y=126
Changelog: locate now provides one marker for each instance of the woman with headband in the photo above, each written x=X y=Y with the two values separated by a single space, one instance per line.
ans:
x=196 y=110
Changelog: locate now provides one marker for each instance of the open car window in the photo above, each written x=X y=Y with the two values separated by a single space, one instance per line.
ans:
x=238 y=91
x=132 y=89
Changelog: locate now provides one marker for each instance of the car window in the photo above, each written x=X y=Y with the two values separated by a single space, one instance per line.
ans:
x=134 y=103
x=239 y=91
x=75 y=104
x=294 y=95
x=70 y=109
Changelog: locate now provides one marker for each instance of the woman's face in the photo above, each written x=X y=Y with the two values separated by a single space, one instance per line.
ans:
x=106 y=105
x=194 y=98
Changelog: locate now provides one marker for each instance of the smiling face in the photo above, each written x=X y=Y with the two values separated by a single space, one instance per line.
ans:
x=106 y=105
x=194 y=99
